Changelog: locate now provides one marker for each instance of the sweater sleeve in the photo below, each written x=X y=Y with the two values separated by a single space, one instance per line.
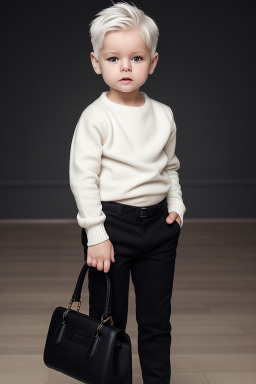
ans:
x=174 y=195
x=84 y=169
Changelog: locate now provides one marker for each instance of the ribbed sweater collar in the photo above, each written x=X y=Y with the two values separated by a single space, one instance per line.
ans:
x=127 y=109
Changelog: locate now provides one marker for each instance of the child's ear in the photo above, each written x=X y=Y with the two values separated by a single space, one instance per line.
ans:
x=153 y=63
x=95 y=63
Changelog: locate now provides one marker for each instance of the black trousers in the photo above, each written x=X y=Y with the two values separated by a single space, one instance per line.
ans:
x=145 y=245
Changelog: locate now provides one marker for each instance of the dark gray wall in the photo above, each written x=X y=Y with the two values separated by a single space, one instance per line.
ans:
x=205 y=73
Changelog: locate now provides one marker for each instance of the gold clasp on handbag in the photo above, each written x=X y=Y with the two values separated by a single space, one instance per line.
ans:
x=69 y=307
x=108 y=318
x=104 y=321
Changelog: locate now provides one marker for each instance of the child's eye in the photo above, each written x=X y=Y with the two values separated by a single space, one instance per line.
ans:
x=138 y=57
x=111 y=60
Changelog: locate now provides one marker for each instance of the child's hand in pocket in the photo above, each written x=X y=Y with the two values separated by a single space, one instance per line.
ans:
x=173 y=216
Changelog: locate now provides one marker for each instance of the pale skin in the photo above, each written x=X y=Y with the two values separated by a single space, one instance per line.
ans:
x=123 y=54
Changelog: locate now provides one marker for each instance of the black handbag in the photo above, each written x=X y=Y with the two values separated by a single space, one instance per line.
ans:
x=86 y=349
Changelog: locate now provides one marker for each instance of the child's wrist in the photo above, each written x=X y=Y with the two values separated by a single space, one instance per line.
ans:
x=96 y=234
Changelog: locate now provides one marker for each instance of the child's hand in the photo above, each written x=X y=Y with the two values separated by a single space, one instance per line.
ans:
x=100 y=255
x=173 y=216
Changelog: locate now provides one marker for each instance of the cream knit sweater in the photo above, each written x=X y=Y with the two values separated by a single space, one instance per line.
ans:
x=123 y=154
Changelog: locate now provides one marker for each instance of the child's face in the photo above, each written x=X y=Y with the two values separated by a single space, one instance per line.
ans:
x=124 y=54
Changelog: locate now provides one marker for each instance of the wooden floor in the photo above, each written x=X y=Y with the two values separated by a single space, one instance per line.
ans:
x=213 y=306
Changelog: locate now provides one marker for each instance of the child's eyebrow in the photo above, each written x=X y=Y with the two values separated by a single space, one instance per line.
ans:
x=116 y=53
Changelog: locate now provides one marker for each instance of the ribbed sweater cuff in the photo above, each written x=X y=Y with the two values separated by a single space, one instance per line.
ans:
x=179 y=209
x=96 y=234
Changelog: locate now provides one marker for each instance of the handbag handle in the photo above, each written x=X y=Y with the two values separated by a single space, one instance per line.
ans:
x=76 y=297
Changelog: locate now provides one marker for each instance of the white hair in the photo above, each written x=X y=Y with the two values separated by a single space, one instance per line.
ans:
x=123 y=16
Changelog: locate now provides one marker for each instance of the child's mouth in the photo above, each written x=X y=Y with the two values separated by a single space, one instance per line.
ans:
x=126 y=81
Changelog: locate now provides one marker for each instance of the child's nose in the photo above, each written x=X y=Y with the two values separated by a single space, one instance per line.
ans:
x=125 y=65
